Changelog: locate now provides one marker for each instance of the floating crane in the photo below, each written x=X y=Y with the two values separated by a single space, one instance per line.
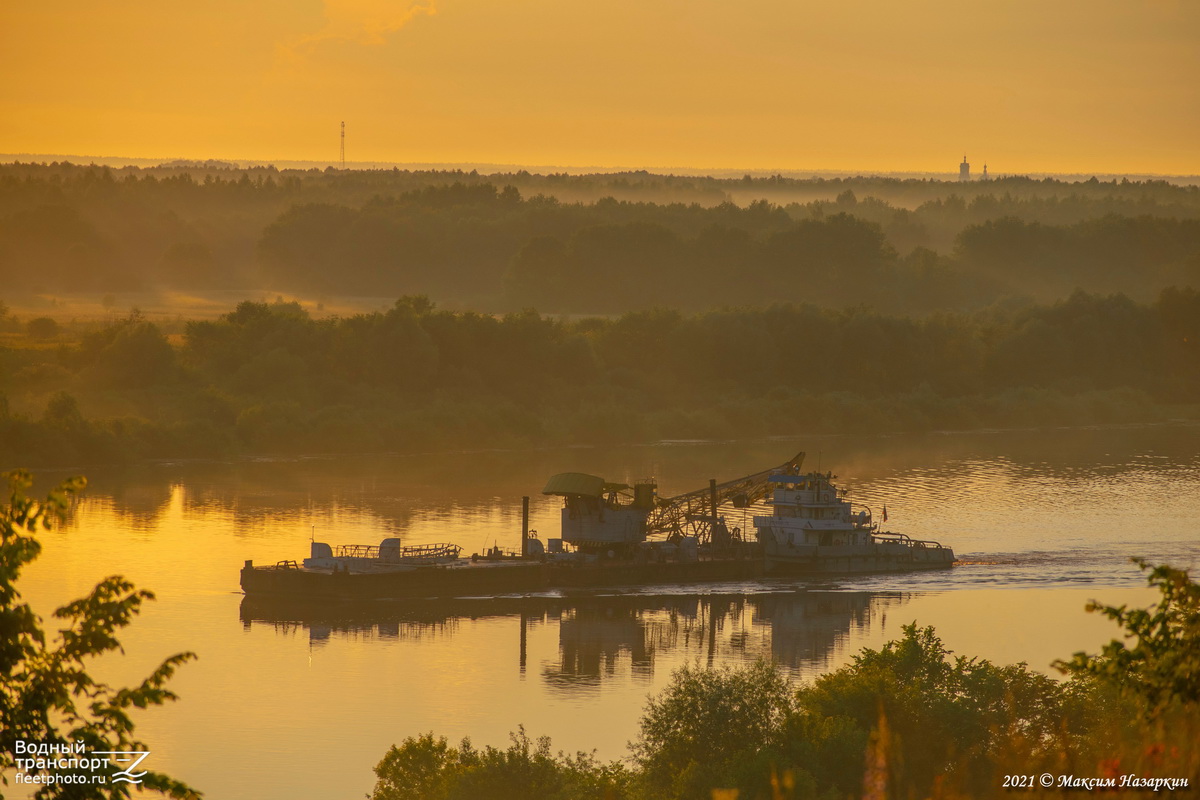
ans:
x=600 y=516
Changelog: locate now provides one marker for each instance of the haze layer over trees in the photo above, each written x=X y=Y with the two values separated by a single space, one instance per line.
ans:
x=591 y=244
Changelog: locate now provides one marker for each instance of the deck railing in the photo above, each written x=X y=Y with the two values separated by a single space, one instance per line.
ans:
x=905 y=540
x=421 y=552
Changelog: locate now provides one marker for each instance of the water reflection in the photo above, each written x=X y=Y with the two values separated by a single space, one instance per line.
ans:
x=604 y=638
x=139 y=506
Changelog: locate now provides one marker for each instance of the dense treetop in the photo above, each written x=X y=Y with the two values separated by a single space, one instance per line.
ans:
x=268 y=377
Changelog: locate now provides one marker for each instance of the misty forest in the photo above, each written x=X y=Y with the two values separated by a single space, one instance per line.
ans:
x=415 y=311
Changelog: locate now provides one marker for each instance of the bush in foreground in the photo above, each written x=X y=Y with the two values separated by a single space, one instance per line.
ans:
x=429 y=768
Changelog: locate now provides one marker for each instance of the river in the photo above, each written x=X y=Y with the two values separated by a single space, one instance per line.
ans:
x=291 y=704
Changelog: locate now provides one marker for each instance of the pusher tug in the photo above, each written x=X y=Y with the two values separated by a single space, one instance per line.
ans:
x=814 y=528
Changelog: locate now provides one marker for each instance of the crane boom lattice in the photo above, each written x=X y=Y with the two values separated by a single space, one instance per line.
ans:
x=696 y=513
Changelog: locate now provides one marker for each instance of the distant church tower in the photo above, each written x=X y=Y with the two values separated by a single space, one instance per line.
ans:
x=985 y=175
x=964 y=170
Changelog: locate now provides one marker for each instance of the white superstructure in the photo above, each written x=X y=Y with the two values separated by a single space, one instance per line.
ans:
x=815 y=528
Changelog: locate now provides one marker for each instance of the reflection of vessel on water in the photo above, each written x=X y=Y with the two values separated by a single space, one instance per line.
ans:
x=602 y=636
x=807 y=632
x=799 y=630
x=619 y=535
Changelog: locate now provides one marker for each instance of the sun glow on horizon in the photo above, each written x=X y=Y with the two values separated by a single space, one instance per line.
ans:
x=1071 y=87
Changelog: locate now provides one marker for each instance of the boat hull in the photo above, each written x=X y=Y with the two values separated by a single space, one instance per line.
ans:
x=784 y=559
x=485 y=580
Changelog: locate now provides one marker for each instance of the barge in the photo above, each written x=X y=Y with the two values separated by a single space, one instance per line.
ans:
x=616 y=535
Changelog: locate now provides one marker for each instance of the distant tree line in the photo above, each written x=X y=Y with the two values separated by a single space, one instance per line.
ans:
x=267 y=377
x=596 y=244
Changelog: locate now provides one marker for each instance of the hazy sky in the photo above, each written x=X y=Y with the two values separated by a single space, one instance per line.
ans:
x=1025 y=85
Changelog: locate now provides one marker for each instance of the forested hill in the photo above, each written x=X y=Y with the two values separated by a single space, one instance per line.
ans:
x=590 y=244
x=268 y=378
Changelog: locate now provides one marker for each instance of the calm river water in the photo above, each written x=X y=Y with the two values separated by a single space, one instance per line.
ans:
x=303 y=704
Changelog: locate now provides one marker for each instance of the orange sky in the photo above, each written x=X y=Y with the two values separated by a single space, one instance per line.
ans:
x=1025 y=85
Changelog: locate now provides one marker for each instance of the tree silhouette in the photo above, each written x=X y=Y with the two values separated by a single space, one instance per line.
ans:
x=47 y=697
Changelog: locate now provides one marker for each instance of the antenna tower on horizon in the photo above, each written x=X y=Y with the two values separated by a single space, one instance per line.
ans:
x=343 y=144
